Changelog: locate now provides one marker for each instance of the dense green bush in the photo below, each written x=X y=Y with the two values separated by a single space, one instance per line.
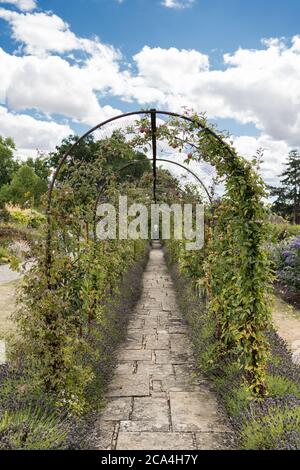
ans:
x=286 y=259
x=32 y=429
x=34 y=418
x=28 y=218
x=268 y=423
x=280 y=232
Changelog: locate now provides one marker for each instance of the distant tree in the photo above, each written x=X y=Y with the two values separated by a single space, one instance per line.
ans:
x=8 y=164
x=114 y=152
x=287 y=203
x=25 y=189
x=40 y=166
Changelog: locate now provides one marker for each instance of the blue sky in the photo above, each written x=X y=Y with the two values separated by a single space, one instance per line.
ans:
x=224 y=25
x=67 y=65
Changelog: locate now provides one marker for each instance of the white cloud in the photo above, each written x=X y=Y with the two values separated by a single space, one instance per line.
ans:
x=274 y=154
x=178 y=4
x=170 y=69
x=260 y=86
x=29 y=133
x=53 y=86
x=56 y=72
x=26 y=5
x=41 y=33
x=51 y=83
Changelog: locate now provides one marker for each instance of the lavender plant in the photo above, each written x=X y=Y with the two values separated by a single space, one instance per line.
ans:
x=288 y=264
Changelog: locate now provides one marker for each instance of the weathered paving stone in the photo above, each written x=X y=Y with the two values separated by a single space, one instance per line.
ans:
x=157 y=371
x=180 y=329
x=124 y=385
x=102 y=436
x=180 y=343
x=168 y=357
x=158 y=341
x=134 y=341
x=151 y=322
x=155 y=400
x=154 y=441
x=134 y=355
x=149 y=414
x=214 y=441
x=195 y=411
x=185 y=374
x=2 y=352
x=117 y=409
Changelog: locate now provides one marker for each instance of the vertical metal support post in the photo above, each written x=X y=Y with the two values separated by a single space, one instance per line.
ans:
x=154 y=150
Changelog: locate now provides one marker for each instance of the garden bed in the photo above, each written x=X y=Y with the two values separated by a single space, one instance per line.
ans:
x=260 y=424
x=33 y=419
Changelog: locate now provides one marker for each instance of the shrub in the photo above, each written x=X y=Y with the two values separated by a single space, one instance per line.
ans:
x=280 y=232
x=4 y=255
x=287 y=259
x=28 y=218
x=279 y=386
x=272 y=424
x=269 y=423
x=32 y=429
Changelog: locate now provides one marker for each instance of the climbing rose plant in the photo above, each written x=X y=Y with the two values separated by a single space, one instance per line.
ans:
x=62 y=302
x=237 y=270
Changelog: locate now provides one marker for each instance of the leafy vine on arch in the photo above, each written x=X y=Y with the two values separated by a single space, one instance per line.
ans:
x=237 y=269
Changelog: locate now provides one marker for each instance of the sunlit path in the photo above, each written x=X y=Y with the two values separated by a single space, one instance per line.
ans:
x=154 y=400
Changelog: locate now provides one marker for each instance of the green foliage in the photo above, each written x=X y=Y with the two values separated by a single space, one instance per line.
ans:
x=32 y=429
x=287 y=201
x=279 y=386
x=8 y=164
x=28 y=218
x=114 y=153
x=62 y=317
x=271 y=422
x=272 y=430
x=63 y=312
x=40 y=166
x=4 y=255
x=236 y=272
x=280 y=232
x=25 y=188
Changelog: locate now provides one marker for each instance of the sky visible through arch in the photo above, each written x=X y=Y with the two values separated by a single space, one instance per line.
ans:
x=65 y=66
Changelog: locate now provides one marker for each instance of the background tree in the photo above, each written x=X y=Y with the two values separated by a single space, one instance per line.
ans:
x=8 y=164
x=25 y=189
x=40 y=166
x=287 y=195
x=114 y=151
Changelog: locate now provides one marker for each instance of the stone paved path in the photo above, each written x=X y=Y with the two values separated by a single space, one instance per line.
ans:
x=155 y=401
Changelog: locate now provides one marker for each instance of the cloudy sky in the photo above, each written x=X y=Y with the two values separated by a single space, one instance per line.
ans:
x=65 y=66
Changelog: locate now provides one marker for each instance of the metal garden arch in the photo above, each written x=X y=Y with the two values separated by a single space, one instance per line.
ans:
x=153 y=116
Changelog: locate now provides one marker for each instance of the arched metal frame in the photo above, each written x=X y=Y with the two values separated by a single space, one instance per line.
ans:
x=153 y=114
x=142 y=161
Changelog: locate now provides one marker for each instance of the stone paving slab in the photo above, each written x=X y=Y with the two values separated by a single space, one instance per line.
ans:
x=214 y=441
x=195 y=411
x=103 y=435
x=154 y=441
x=118 y=409
x=134 y=355
x=124 y=385
x=155 y=400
